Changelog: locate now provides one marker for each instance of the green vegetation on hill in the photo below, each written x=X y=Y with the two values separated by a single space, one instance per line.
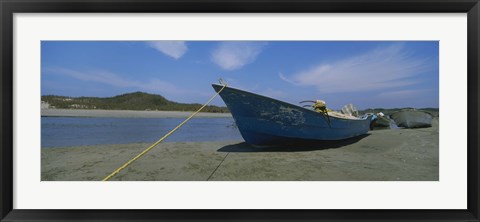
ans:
x=128 y=101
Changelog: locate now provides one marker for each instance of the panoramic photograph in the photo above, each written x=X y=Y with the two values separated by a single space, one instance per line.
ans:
x=239 y=110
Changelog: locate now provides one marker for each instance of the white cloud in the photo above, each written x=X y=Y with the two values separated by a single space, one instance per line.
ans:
x=234 y=55
x=174 y=49
x=112 y=79
x=378 y=69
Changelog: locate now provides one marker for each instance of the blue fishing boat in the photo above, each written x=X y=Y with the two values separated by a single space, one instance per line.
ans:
x=264 y=121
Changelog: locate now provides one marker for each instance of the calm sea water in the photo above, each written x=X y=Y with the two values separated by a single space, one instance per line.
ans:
x=67 y=131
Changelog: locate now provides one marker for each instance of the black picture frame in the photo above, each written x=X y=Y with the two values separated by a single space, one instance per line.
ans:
x=9 y=7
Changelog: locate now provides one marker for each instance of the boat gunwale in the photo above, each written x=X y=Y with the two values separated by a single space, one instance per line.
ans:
x=290 y=104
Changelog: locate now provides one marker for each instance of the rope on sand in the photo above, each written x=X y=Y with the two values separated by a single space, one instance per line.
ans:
x=161 y=139
x=225 y=157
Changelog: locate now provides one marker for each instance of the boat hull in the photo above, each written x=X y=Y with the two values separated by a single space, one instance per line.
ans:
x=381 y=121
x=412 y=119
x=264 y=121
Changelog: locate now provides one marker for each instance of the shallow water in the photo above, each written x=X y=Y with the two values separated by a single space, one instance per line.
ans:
x=73 y=131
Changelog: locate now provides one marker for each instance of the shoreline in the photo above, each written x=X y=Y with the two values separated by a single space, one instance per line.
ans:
x=127 y=113
x=381 y=155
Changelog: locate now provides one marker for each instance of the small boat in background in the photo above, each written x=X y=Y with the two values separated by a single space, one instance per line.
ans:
x=412 y=118
x=264 y=121
x=381 y=120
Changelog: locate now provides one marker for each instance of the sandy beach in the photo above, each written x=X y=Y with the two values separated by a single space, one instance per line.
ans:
x=382 y=155
x=124 y=113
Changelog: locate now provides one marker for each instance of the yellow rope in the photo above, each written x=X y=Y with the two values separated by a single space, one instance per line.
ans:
x=161 y=139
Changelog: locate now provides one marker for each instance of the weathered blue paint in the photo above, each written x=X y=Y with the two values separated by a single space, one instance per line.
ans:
x=266 y=121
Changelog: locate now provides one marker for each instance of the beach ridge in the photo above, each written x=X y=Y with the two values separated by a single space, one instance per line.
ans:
x=127 y=113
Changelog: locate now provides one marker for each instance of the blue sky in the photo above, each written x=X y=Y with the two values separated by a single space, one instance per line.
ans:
x=368 y=74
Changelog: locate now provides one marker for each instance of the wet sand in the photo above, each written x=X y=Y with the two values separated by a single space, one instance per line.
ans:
x=382 y=155
x=124 y=113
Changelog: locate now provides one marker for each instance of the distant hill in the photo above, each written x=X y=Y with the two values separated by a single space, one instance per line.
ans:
x=128 y=101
